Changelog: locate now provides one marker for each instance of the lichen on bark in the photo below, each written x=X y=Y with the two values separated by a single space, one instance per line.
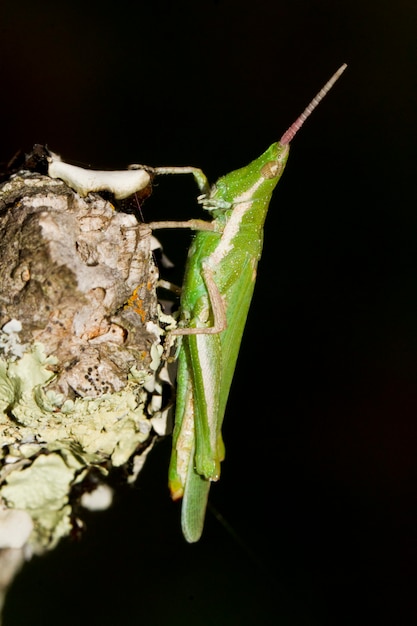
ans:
x=81 y=377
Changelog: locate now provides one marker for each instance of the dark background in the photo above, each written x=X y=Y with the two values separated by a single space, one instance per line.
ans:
x=320 y=482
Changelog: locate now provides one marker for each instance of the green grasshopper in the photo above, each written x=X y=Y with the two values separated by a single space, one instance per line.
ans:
x=217 y=291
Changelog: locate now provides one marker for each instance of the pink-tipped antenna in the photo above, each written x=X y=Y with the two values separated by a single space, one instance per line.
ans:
x=294 y=128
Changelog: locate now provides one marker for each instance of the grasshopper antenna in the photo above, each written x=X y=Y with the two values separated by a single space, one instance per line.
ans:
x=294 y=128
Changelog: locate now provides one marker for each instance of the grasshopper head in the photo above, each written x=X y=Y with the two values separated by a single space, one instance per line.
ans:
x=258 y=179
x=275 y=167
x=251 y=182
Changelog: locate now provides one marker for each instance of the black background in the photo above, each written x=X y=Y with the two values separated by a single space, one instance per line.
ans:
x=320 y=481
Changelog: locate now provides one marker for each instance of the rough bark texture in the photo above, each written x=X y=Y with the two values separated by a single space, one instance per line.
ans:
x=68 y=267
x=80 y=348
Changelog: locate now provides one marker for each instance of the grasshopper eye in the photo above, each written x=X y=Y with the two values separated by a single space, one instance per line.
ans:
x=272 y=169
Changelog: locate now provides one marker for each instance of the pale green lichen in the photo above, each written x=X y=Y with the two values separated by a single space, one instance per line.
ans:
x=111 y=425
x=9 y=339
x=42 y=491
x=15 y=527
x=47 y=448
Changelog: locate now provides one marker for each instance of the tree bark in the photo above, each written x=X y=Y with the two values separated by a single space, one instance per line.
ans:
x=81 y=375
